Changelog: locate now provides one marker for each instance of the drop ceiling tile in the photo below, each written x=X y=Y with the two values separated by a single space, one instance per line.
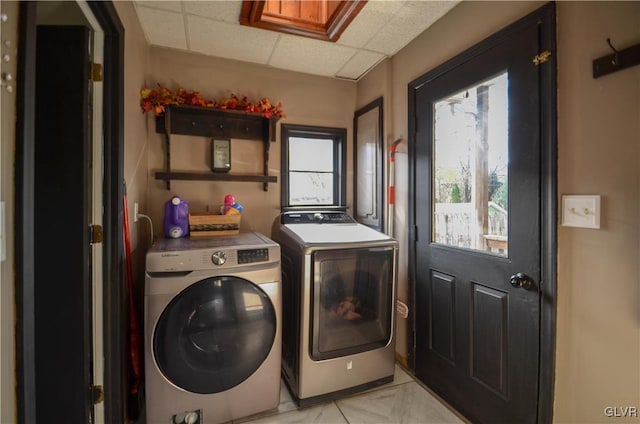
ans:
x=211 y=27
x=163 y=28
x=389 y=40
x=310 y=56
x=426 y=12
x=373 y=16
x=226 y=11
x=359 y=64
x=173 y=6
x=223 y=39
x=409 y=22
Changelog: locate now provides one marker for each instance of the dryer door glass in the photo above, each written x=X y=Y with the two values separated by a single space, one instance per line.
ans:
x=214 y=334
x=352 y=292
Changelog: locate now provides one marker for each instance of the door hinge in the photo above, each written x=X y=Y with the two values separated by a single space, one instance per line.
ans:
x=96 y=72
x=541 y=58
x=95 y=234
x=97 y=394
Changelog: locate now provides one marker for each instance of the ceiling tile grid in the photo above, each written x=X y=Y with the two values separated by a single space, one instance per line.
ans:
x=225 y=11
x=380 y=30
x=359 y=64
x=310 y=56
x=230 y=41
x=372 y=17
x=174 y=6
x=407 y=23
x=163 y=28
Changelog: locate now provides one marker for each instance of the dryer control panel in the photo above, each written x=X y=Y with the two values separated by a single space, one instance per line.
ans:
x=329 y=217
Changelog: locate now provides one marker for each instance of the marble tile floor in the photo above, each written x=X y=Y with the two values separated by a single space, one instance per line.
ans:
x=403 y=401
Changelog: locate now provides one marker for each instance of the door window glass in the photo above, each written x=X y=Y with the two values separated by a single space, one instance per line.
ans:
x=470 y=181
x=214 y=334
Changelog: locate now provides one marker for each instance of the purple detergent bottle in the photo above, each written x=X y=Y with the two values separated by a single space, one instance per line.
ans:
x=176 y=218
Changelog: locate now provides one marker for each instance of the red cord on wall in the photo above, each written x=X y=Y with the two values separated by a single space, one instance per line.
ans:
x=134 y=331
x=391 y=198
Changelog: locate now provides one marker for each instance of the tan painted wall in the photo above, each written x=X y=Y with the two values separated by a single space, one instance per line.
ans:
x=598 y=343
x=598 y=346
x=375 y=84
x=136 y=144
x=9 y=31
x=306 y=99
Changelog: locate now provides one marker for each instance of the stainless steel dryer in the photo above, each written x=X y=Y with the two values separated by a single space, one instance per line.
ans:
x=212 y=328
x=339 y=294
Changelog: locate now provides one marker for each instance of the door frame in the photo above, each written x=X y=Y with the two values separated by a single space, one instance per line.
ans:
x=546 y=16
x=113 y=256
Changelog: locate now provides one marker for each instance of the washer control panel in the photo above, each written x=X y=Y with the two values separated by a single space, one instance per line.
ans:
x=246 y=256
x=219 y=253
x=249 y=256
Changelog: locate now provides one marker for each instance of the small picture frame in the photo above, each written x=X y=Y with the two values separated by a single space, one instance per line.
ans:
x=221 y=155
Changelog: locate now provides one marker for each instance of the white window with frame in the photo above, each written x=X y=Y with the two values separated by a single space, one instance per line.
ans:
x=313 y=167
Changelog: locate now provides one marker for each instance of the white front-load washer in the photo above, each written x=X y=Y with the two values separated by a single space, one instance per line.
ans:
x=212 y=328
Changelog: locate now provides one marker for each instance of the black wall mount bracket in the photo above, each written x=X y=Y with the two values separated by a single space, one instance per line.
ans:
x=619 y=60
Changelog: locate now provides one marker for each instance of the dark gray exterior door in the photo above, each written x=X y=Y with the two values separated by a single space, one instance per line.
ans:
x=476 y=172
x=29 y=361
x=63 y=301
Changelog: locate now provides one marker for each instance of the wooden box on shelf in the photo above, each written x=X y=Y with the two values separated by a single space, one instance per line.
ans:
x=208 y=224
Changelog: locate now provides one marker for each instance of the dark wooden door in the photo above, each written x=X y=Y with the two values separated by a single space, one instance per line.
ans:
x=63 y=319
x=476 y=251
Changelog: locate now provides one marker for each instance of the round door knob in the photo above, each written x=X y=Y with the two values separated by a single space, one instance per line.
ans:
x=521 y=281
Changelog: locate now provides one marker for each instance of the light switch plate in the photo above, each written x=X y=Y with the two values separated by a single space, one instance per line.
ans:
x=581 y=211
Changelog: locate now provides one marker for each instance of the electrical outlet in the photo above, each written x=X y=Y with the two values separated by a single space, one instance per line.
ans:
x=135 y=212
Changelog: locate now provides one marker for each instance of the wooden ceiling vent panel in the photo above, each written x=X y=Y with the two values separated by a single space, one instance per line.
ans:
x=321 y=19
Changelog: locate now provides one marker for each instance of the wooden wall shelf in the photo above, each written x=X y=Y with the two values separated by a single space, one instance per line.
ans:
x=215 y=123
x=205 y=176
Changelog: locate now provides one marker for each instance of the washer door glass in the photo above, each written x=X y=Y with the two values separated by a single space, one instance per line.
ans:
x=214 y=334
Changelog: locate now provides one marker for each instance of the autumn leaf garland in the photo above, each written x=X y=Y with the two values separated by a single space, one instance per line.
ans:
x=157 y=100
